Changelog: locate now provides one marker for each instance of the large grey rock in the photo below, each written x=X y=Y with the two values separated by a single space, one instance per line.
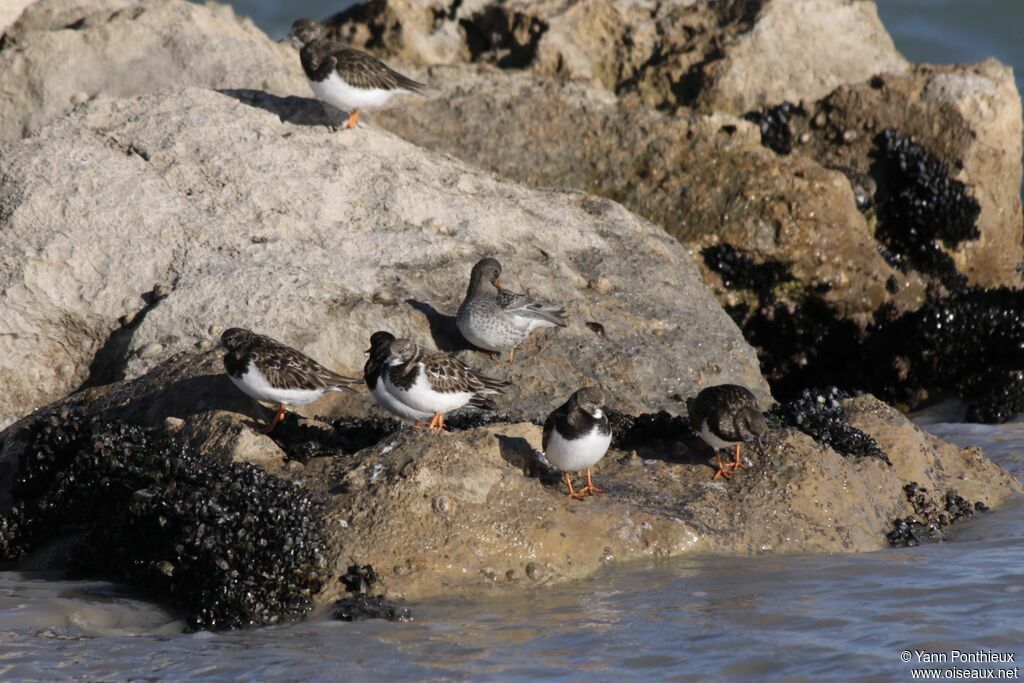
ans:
x=63 y=52
x=720 y=56
x=243 y=213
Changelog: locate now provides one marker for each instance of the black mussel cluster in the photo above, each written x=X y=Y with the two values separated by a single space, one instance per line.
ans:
x=929 y=521
x=776 y=133
x=920 y=205
x=359 y=604
x=227 y=543
x=964 y=340
x=819 y=413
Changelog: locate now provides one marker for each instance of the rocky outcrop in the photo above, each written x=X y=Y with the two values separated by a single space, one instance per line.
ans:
x=717 y=56
x=706 y=180
x=243 y=214
x=474 y=511
x=61 y=53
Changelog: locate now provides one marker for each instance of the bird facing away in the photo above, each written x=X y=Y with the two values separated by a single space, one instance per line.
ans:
x=497 y=320
x=726 y=416
x=576 y=437
x=271 y=372
x=435 y=383
x=344 y=77
x=376 y=365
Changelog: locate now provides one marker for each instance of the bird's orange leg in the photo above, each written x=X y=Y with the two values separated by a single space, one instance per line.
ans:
x=511 y=355
x=352 y=118
x=276 y=421
x=590 y=489
x=737 y=464
x=724 y=471
x=437 y=423
x=575 y=495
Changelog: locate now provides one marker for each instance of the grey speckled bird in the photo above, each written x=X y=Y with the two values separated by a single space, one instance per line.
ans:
x=496 y=320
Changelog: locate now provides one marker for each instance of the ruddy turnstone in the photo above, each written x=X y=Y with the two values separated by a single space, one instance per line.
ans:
x=271 y=372
x=498 y=320
x=435 y=383
x=344 y=77
x=376 y=365
x=726 y=416
x=576 y=436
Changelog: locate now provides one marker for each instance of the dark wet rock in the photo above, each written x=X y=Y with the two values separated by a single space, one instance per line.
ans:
x=628 y=431
x=967 y=342
x=225 y=542
x=360 y=579
x=362 y=607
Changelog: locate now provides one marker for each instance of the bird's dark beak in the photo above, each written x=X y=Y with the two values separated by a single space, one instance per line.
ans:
x=367 y=351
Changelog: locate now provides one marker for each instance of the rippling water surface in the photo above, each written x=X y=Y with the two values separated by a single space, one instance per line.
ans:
x=793 y=618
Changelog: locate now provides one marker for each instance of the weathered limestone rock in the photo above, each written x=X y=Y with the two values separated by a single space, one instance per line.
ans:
x=721 y=56
x=10 y=11
x=61 y=53
x=243 y=214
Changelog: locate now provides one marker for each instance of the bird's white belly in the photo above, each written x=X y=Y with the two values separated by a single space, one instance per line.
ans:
x=255 y=384
x=484 y=341
x=420 y=396
x=578 y=454
x=712 y=440
x=334 y=90
x=388 y=402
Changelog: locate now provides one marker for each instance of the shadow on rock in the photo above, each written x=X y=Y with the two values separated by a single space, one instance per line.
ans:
x=443 y=329
x=301 y=111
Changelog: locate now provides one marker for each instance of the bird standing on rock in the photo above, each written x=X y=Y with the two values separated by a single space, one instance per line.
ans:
x=726 y=416
x=373 y=375
x=576 y=436
x=344 y=77
x=271 y=372
x=497 y=320
x=435 y=383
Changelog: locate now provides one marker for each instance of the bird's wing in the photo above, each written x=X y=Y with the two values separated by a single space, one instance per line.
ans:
x=287 y=368
x=524 y=306
x=447 y=374
x=363 y=70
